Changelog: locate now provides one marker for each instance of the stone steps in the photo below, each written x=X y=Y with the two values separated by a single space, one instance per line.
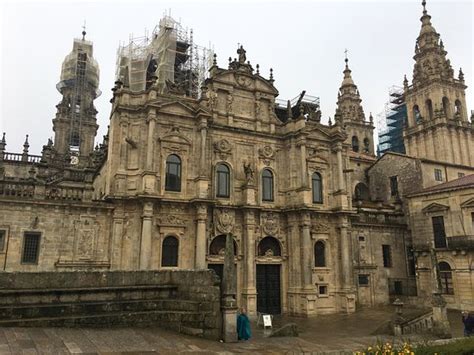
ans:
x=69 y=295
x=192 y=323
x=49 y=310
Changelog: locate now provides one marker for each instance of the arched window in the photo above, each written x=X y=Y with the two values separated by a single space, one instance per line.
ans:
x=355 y=144
x=446 y=107
x=267 y=185
x=366 y=145
x=416 y=114
x=457 y=109
x=75 y=140
x=269 y=246
x=223 y=180
x=319 y=254
x=169 y=254
x=446 y=277
x=173 y=173
x=317 y=184
x=429 y=109
x=361 y=192
x=217 y=246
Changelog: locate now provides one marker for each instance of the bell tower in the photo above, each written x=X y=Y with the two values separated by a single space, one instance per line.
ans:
x=350 y=114
x=75 y=124
x=438 y=127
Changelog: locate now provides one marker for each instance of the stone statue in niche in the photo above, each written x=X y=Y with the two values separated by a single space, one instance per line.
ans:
x=230 y=101
x=249 y=173
x=212 y=99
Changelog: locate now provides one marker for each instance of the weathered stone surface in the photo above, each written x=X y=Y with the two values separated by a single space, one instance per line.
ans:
x=288 y=330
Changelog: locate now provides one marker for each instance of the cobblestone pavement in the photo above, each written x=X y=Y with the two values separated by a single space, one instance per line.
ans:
x=328 y=333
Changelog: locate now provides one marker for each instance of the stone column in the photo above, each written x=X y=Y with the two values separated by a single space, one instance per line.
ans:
x=117 y=234
x=345 y=255
x=304 y=171
x=306 y=265
x=203 y=129
x=249 y=291
x=145 y=241
x=150 y=144
x=340 y=168
x=229 y=290
x=121 y=142
x=200 y=258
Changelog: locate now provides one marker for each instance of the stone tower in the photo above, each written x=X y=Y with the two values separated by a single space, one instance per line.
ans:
x=350 y=114
x=438 y=127
x=75 y=124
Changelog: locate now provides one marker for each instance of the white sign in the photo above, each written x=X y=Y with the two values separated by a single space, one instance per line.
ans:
x=267 y=320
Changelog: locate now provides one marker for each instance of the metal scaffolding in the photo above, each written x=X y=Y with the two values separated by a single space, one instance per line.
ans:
x=169 y=56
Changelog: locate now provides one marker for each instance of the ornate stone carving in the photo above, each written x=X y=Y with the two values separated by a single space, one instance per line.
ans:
x=320 y=226
x=266 y=152
x=249 y=173
x=85 y=238
x=243 y=80
x=171 y=220
x=223 y=148
x=270 y=223
x=224 y=220
x=211 y=99
x=230 y=100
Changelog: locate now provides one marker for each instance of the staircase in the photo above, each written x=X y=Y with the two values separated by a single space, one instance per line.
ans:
x=168 y=306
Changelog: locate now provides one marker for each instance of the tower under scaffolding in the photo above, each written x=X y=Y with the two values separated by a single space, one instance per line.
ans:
x=169 y=56
x=391 y=122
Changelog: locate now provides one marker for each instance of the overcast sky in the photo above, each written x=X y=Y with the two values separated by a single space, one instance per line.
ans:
x=302 y=41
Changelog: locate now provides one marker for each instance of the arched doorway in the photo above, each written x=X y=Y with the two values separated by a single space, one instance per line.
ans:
x=217 y=249
x=268 y=276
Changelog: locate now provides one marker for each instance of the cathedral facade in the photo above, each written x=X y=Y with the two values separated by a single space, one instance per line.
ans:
x=313 y=230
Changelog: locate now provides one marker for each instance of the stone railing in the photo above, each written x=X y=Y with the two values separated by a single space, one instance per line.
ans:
x=422 y=323
x=465 y=242
x=64 y=193
x=18 y=157
x=30 y=190
x=17 y=189
x=377 y=218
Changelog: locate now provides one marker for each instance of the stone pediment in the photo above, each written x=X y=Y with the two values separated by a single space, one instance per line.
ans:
x=435 y=207
x=244 y=81
x=177 y=108
x=175 y=136
x=468 y=203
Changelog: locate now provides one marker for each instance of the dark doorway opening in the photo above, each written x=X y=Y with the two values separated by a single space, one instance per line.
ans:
x=268 y=289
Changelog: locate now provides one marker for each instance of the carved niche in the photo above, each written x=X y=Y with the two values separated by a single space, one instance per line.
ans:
x=223 y=148
x=86 y=232
x=224 y=221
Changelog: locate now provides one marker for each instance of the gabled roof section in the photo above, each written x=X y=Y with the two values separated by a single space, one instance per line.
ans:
x=435 y=207
x=465 y=181
x=468 y=203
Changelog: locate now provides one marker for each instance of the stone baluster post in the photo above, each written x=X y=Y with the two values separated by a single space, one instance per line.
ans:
x=150 y=148
x=201 y=217
x=145 y=242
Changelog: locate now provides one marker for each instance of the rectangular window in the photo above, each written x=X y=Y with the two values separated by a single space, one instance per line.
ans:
x=393 y=185
x=387 y=255
x=323 y=290
x=363 y=280
x=439 y=232
x=31 y=242
x=460 y=175
x=3 y=236
x=438 y=174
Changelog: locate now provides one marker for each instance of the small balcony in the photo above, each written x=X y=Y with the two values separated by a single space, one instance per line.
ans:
x=463 y=242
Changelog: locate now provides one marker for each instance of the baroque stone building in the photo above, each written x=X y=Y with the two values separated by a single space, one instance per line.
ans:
x=315 y=230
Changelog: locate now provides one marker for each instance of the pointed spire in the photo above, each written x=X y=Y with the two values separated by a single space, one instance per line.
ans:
x=3 y=143
x=347 y=72
x=84 y=31
x=424 y=7
x=371 y=118
x=461 y=75
x=26 y=145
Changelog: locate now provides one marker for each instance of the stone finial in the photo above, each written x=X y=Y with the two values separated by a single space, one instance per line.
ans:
x=290 y=112
x=84 y=31
x=441 y=44
x=424 y=7
x=461 y=75
x=405 y=82
x=214 y=60
x=329 y=122
x=271 y=75
x=371 y=118
x=258 y=69
x=26 y=145
x=3 y=141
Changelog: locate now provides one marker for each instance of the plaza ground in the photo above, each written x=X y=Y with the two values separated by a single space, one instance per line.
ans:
x=328 y=333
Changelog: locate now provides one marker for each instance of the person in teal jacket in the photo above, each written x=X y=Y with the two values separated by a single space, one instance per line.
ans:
x=243 y=326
